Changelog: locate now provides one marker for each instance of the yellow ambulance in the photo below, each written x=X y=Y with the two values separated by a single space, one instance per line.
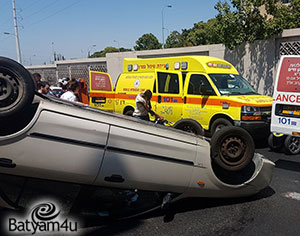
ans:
x=190 y=91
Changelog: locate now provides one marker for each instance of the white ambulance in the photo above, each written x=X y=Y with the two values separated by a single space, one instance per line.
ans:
x=285 y=120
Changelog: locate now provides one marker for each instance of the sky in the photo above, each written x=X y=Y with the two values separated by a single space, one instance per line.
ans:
x=72 y=28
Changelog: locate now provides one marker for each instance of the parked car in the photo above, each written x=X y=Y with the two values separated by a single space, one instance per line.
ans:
x=103 y=162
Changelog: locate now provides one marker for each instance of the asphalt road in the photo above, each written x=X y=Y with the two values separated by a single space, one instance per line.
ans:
x=274 y=211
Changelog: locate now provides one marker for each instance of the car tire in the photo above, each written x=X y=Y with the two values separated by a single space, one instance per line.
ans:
x=232 y=148
x=218 y=124
x=128 y=113
x=16 y=88
x=190 y=126
x=275 y=143
x=292 y=145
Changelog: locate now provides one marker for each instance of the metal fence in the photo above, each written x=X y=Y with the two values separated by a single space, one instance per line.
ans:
x=62 y=70
x=290 y=48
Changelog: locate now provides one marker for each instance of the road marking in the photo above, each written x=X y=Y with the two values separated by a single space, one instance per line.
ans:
x=292 y=195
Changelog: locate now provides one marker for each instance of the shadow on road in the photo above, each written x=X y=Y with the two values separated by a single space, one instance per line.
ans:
x=191 y=204
x=261 y=143
x=184 y=205
x=288 y=165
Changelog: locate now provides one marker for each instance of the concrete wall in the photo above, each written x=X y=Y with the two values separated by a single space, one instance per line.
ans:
x=256 y=62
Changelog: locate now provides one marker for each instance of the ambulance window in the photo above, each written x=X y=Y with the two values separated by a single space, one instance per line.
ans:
x=154 y=87
x=199 y=85
x=168 y=83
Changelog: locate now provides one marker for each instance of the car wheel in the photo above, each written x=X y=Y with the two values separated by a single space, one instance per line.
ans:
x=190 y=126
x=275 y=143
x=128 y=113
x=218 y=124
x=16 y=88
x=292 y=145
x=232 y=148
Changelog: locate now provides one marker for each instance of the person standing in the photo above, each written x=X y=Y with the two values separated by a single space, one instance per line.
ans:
x=37 y=77
x=143 y=106
x=72 y=87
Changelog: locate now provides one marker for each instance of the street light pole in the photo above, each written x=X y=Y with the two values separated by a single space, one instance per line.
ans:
x=162 y=24
x=30 y=59
x=89 y=48
x=53 y=52
x=16 y=33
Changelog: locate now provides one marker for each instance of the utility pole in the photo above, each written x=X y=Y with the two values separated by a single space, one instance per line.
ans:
x=162 y=25
x=16 y=33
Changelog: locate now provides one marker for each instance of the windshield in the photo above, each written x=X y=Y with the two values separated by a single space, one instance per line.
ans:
x=230 y=84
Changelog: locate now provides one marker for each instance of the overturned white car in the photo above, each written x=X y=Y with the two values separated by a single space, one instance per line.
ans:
x=99 y=161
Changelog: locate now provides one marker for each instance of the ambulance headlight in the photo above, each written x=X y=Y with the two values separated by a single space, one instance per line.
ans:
x=250 y=109
x=251 y=113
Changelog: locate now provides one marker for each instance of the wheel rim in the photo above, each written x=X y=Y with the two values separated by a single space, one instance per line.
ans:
x=11 y=91
x=294 y=145
x=189 y=128
x=232 y=151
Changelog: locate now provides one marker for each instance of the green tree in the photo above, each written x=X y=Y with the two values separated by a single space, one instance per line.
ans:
x=175 y=40
x=147 y=42
x=289 y=15
x=246 y=23
x=124 y=49
x=103 y=52
x=204 y=33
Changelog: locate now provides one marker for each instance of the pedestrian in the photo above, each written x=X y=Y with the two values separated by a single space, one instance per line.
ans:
x=73 y=88
x=44 y=87
x=37 y=77
x=143 y=106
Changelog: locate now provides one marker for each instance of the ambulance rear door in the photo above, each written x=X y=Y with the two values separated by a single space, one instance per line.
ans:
x=286 y=97
x=102 y=94
x=169 y=95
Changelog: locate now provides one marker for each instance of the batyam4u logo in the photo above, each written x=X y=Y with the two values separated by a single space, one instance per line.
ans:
x=44 y=217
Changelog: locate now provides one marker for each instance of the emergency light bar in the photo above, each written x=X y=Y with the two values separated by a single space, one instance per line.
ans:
x=210 y=64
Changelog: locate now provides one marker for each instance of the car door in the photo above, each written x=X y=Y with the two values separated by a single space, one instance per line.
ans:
x=146 y=159
x=198 y=99
x=169 y=95
x=102 y=94
x=60 y=148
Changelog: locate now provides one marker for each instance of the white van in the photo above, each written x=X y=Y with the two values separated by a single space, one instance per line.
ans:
x=286 y=102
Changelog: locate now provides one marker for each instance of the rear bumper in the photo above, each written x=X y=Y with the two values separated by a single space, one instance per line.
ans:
x=215 y=187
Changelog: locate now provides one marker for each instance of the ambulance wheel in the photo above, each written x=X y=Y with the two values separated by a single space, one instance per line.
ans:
x=275 y=143
x=190 y=126
x=232 y=148
x=292 y=145
x=128 y=113
x=16 y=88
x=218 y=124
